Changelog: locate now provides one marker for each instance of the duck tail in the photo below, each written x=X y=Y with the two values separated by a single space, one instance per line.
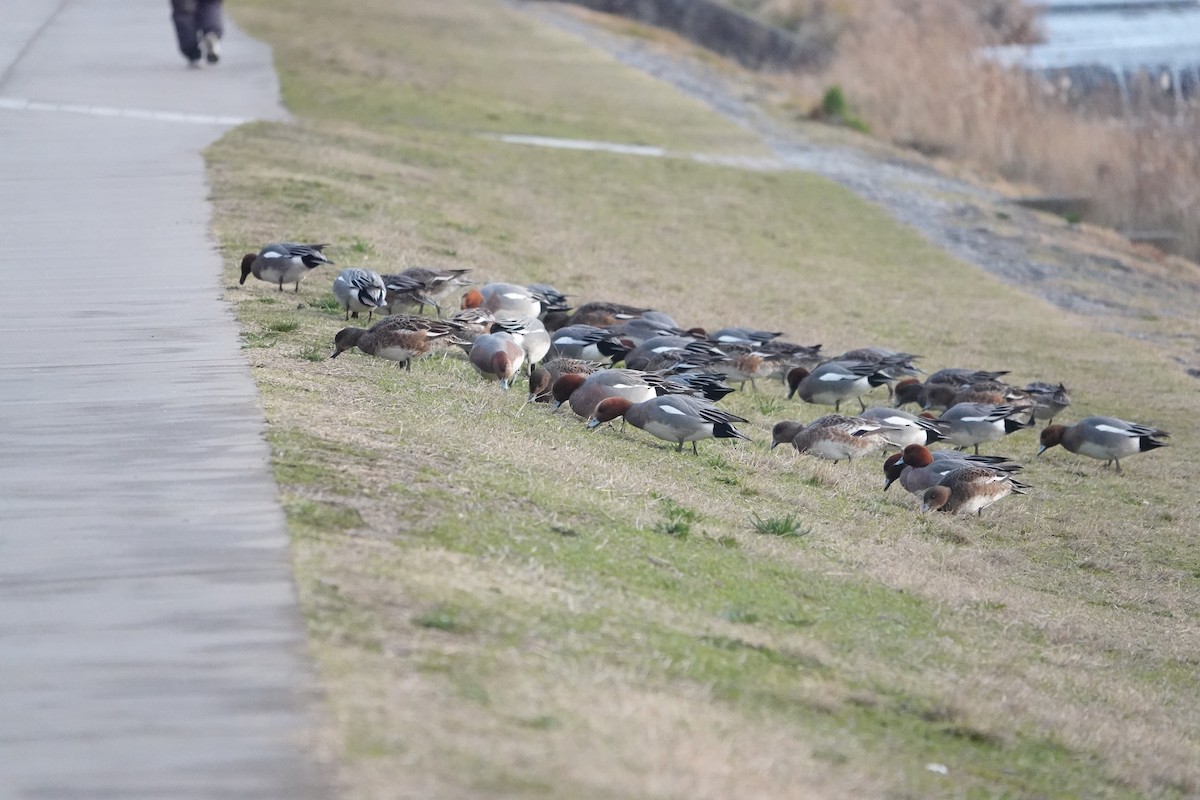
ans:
x=1150 y=443
x=725 y=430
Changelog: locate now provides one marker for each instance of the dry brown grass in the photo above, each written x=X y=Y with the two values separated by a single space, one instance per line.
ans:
x=912 y=72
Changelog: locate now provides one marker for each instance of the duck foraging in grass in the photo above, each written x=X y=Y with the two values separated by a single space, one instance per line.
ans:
x=834 y=437
x=359 y=290
x=283 y=262
x=1105 y=438
x=672 y=418
x=497 y=356
x=917 y=468
x=970 y=489
x=400 y=338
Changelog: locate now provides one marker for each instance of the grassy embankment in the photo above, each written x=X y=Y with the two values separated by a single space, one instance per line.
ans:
x=503 y=604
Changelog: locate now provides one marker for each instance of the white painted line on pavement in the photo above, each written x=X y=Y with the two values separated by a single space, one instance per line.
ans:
x=21 y=104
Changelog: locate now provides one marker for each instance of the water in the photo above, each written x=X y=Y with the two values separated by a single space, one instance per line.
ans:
x=1097 y=46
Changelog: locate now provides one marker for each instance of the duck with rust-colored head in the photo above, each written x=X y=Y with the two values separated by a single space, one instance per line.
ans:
x=1107 y=439
x=672 y=418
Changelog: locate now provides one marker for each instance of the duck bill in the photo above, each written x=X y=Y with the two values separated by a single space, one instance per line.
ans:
x=593 y=423
x=504 y=384
x=887 y=484
x=773 y=445
x=335 y=354
x=926 y=508
x=1042 y=449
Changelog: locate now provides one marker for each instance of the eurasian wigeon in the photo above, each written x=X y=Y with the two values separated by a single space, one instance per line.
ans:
x=529 y=332
x=906 y=428
x=1105 y=438
x=504 y=300
x=833 y=382
x=1048 y=399
x=963 y=376
x=597 y=313
x=472 y=323
x=359 y=290
x=400 y=338
x=895 y=364
x=583 y=394
x=742 y=335
x=542 y=376
x=283 y=262
x=644 y=355
x=973 y=424
x=553 y=301
x=497 y=356
x=970 y=489
x=744 y=363
x=938 y=390
x=833 y=436
x=672 y=418
x=640 y=329
x=405 y=292
x=439 y=283
x=587 y=342
x=918 y=468
x=710 y=385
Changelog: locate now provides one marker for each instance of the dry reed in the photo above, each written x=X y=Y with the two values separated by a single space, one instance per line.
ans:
x=913 y=72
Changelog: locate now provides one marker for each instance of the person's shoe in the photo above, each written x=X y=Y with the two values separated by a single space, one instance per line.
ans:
x=211 y=43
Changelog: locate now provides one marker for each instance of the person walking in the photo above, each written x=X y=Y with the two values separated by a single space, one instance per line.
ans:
x=199 y=28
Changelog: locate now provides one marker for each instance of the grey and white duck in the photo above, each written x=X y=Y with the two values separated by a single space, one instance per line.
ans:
x=973 y=424
x=530 y=333
x=834 y=382
x=672 y=418
x=589 y=343
x=283 y=262
x=358 y=290
x=918 y=468
x=1107 y=439
x=504 y=300
x=497 y=356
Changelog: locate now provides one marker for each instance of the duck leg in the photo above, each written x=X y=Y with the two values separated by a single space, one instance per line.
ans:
x=694 y=450
x=861 y=403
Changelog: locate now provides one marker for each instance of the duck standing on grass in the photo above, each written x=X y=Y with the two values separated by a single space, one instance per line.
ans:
x=1106 y=438
x=359 y=290
x=283 y=262
x=835 y=381
x=917 y=468
x=400 y=338
x=497 y=356
x=968 y=489
x=672 y=418
x=833 y=436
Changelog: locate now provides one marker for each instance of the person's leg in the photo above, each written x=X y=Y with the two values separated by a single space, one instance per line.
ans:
x=183 y=14
x=211 y=27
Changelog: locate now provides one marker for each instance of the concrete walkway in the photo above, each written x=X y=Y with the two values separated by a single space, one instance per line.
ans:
x=150 y=645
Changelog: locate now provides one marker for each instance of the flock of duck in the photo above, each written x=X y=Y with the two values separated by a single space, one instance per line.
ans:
x=672 y=377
